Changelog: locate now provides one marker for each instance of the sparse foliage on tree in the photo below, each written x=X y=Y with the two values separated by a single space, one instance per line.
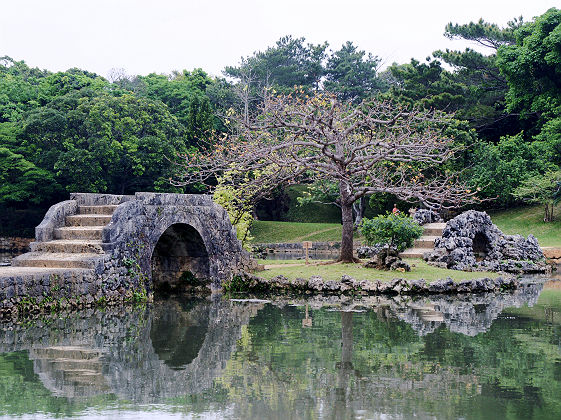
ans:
x=374 y=147
x=542 y=189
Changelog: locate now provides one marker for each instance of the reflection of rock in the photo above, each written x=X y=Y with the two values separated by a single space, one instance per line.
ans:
x=140 y=375
x=148 y=355
x=70 y=371
x=465 y=314
x=468 y=314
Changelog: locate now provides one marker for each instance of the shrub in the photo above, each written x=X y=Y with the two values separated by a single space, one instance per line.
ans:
x=397 y=230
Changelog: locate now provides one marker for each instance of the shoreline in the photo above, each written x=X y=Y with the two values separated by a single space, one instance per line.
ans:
x=250 y=283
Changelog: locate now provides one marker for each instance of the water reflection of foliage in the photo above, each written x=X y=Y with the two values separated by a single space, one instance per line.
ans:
x=340 y=364
x=511 y=371
x=21 y=391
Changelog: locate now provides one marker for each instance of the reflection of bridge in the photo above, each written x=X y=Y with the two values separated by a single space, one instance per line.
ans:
x=179 y=348
x=114 y=352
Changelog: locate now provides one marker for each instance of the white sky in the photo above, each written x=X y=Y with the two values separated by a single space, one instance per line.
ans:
x=144 y=36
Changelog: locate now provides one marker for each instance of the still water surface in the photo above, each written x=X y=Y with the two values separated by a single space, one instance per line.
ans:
x=484 y=357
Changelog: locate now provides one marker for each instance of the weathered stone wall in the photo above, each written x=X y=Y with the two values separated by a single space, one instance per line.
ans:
x=137 y=225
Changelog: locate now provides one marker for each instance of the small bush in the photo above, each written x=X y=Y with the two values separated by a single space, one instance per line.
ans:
x=397 y=230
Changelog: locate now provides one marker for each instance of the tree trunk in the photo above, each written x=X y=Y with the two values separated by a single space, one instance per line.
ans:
x=347 y=220
x=344 y=368
x=359 y=208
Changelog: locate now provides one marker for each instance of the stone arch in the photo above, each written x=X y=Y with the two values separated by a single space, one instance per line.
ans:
x=179 y=258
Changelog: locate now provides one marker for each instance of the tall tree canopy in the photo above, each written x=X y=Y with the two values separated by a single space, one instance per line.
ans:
x=101 y=143
x=370 y=148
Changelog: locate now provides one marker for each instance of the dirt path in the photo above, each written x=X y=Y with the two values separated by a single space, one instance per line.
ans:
x=317 y=232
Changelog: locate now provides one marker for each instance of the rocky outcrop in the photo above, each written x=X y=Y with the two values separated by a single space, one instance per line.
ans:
x=423 y=217
x=369 y=251
x=347 y=285
x=387 y=259
x=471 y=242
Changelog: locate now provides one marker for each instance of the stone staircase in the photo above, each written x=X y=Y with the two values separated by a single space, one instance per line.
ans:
x=76 y=245
x=70 y=371
x=425 y=243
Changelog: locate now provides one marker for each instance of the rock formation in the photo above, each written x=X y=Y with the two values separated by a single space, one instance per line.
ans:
x=423 y=216
x=471 y=242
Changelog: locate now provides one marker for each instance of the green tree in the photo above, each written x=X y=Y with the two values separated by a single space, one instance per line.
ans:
x=396 y=230
x=502 y=167
x=532 y=67
x=22 y=181
x=543 y=189
x=351 y=74
x=184 y=93
x=291 y=62
x=104 y=143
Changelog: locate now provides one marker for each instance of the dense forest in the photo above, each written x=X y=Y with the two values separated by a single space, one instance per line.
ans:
x=77 y=131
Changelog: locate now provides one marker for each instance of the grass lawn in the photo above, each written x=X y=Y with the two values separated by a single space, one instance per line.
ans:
x=358 y=272
x=521 y=220
x=273 y=232
x=526 y=220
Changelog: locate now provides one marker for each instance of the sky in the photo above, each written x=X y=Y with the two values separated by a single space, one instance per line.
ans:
x=142 y=36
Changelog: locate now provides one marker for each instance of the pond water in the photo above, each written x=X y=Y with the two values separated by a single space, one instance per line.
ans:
x=312 y=255
x=478 y=357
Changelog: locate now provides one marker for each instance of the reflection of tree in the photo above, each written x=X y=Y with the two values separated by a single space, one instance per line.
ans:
x=345 y=367
x=348 y=362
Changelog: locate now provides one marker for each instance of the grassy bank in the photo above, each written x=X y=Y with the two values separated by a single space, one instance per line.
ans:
x=267 y=232
x=526 y=220
x=419 y=269
x=521 y=220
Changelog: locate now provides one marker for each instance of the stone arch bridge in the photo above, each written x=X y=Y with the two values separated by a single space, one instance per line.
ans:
x=97 y=245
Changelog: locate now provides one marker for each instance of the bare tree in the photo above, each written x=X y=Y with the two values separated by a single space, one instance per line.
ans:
x=374 y=147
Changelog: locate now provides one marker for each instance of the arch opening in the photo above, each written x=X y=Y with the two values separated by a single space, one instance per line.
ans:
x=180 y=259
x=480 y=246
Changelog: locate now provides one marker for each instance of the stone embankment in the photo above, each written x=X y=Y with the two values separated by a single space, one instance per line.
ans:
x=350 y=286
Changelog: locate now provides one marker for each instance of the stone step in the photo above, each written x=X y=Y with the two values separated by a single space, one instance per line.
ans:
x=85 y=377
x=425 y=242
x=64 y=363
x=55 y=260
x=88 y=220
x=108 y=209
x=413 y=253
x=433 y=229
x=84 y=232
x=68 y=246
x=66 y=352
